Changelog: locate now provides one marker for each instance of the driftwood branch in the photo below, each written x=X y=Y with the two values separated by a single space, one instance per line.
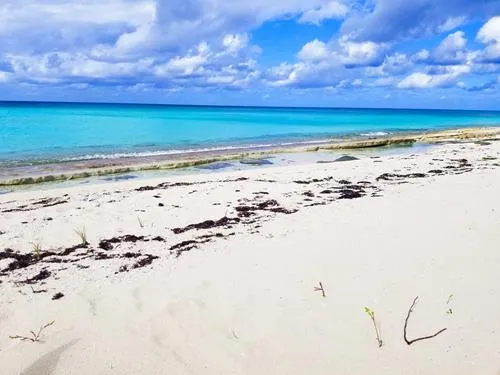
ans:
x=35 y=336
x=409 y=342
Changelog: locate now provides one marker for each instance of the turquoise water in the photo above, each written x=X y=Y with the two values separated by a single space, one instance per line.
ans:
x=33 y=133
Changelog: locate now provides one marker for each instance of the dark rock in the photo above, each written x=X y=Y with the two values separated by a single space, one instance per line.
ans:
x=347 y=158
x=57 y=296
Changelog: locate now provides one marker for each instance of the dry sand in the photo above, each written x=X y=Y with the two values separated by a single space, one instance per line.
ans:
x=238 y=296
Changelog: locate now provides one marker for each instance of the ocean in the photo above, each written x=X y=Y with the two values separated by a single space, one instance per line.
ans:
x=45 y=133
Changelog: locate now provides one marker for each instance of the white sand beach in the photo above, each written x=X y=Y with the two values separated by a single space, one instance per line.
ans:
x=216 y=273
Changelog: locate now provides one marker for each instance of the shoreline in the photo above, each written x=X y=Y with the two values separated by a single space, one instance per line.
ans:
x=100 y=168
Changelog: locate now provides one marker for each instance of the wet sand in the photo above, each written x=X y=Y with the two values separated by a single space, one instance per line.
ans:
x=73 y=170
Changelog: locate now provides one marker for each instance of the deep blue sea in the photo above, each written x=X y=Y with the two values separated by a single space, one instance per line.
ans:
x=33 y=133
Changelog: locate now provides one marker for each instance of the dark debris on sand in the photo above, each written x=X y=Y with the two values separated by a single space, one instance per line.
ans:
x=167 y=185
x=108 y=244
x=187 y=245
x=209 y=224
x=250 y=211
x=270 y=205
x=42 y=203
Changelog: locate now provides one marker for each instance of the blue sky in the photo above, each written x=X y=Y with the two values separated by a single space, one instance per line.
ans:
x=334 y=53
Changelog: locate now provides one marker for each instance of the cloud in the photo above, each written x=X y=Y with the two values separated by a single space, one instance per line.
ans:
x=422 y=80
x=452 y=50
x=489 y=34
x=332 y=9
x=42 y=26
x=488 y=86
x=226 y=63
x=315 y=50
x=171 y=44
x=443 y=77
x=4 y=77
x=306 y=75
x=59 y=67
x=390 y=20
x=136 y=41
x=344 y=51
x=384 y=82
x=187 y=22
x=327 y=65
x=355 y=54
x=451 y=24
x=393 y=65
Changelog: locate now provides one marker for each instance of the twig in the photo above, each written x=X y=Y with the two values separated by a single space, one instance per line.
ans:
x=409 y=342
x=36 y=336
x=38 y=291
x=141 y=224
x=320 y=289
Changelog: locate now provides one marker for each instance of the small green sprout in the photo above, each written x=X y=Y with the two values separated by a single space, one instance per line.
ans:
x=82 y=234
x=371 y=314
x=37 y=250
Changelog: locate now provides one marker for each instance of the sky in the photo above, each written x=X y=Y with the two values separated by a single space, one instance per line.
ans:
x=320 y=53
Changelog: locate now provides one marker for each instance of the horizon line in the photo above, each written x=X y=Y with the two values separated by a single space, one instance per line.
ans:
x=240 y=106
